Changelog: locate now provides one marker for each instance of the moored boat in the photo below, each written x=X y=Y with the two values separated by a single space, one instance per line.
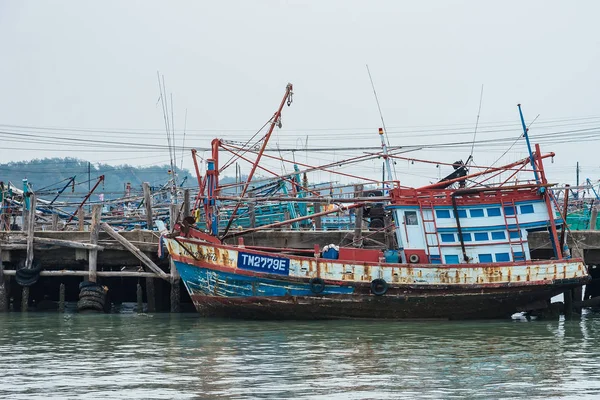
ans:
x=461 y=252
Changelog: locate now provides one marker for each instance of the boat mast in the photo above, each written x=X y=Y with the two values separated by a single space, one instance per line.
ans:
x=531 y=159
x=385 y=157
x=274 y=121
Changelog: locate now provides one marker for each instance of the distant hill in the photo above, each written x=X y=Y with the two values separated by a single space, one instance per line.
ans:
x=49 y=175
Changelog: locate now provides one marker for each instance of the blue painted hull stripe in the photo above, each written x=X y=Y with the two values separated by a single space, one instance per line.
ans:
x=530 y=225
x=462 y=207
x=210 y=282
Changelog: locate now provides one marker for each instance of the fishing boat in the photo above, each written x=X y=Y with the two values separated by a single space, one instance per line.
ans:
x=461 y=252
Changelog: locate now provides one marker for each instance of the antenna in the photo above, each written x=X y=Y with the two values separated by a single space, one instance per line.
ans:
x=183 y=143
x=380 y=115
x=476 y=124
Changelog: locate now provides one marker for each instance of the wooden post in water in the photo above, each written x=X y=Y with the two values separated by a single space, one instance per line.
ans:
x=252 y=214
x=80 y=218
x=593 y=218
x=3 y=291
x=150 y=295
x=175 y=293
x=577 y=293
x=317 y=220
x=150 y=299
x=61 y=298
x=358 y=213
x=148 y=205
x=139 y=298
x=29 y=257
x=30 y=229
x=54 y=222
x=94 y=233
x=568 y=299
x=186 y=203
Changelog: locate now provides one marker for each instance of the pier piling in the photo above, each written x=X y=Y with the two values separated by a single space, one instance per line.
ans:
x=175 y=280
x=3 y=291
x=150 y=295
x=61 y=298
x=148 y=205
x=139 y=298
x=94 y=232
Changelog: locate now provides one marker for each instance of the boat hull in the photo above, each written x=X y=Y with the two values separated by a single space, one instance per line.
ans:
x=219 y=287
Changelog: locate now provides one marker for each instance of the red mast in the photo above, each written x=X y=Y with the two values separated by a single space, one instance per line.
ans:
x=274 y=121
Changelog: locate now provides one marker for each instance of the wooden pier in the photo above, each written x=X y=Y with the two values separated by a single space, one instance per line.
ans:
x=127 y=262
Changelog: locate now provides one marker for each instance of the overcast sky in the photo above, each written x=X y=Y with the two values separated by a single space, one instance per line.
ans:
x=89 y=68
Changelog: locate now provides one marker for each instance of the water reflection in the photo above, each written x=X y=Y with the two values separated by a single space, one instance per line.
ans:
x=183 y=356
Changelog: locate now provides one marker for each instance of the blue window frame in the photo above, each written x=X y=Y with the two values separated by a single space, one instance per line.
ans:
x=500 y=235
x=526 y=209
x=519 y=256
x=493 y=212
x=466 y=237
x=502 y=257
x=514 y=234
x=481 y=236
x=435 y=259
x=447 y=237
x=462 y=213
x=485 y=258
x=451 y=259
x=476 y=212
x=510 y=210
x=442 y=213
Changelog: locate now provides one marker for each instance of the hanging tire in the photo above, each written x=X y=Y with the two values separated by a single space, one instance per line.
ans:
x=85 y=284
x=317 y=285
x=89 y=304
x=379 y=287
x=99 y=297
x=96 y=289
x=413 y=259
x=28 y=276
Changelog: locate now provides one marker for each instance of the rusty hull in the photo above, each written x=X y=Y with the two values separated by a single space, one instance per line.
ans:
x=491 y=290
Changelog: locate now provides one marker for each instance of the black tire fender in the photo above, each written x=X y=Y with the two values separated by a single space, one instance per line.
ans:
x=317 y=285
x=379 y=287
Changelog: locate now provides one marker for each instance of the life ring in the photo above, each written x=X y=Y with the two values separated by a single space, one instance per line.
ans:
x=413 y=258
x=317 y=285
x=379 y=287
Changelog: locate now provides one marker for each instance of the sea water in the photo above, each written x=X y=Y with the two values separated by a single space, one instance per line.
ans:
x=184 y=356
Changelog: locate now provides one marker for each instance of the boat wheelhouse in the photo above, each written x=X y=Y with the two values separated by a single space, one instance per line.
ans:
x=468 y=226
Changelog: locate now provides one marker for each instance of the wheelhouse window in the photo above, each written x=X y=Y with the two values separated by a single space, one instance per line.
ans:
x=493 y=212
x=481 y=236
x=510 y=210
x=442 y=213
x=476 y=212
x=451 y=259
x=498 y=235
x=411 y=218
x=527 y=209
x=502 y=257
x=485 y=258
x=447 y=237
